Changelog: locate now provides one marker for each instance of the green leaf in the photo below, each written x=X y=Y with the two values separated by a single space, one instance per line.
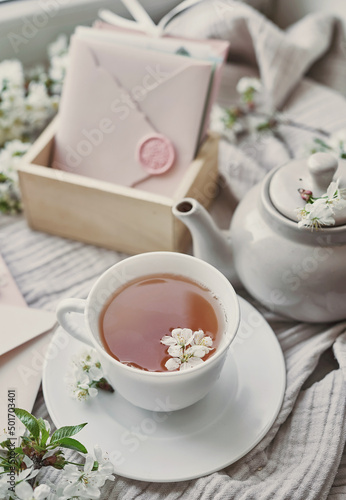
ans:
x=264 y=126
x=65 y=432
x=322 y=143
x=44 y=432
x=29 y=421
x=72 y=444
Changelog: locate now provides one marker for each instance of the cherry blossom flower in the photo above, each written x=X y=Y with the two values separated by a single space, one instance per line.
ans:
x=105 y=466
x=180 y=337
x=186 y=347
x=335 y=197
x=56 y=491
x=25 y=492
x=28 y=100
x=20 y=478
x=79 y=385
x=320 y=211
x=199 y=339
x=314 y=216
x=246 y=84
x=87 y=376
x=4 y=492
x=86 y=483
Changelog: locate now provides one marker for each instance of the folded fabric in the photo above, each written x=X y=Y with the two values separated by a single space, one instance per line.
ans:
x=129 y=113
x=283 y=57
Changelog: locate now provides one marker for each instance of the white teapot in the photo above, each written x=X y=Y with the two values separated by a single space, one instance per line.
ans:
x=293 y=271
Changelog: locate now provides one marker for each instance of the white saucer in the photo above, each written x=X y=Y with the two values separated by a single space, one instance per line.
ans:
x=188 y=443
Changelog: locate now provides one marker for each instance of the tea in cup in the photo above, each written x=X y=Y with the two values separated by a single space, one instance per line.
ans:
x=163 y=321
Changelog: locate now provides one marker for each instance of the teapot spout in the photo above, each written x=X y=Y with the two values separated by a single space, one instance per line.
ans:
x=209 y=242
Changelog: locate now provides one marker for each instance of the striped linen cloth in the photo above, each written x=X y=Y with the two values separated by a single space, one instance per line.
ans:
x=301 y=457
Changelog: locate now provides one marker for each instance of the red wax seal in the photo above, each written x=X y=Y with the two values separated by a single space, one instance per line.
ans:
x=156 y=154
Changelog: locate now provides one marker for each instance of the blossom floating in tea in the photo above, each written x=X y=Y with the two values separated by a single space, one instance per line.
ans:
x=187 y=348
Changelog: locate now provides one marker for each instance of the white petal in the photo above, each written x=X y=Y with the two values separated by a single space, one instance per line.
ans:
x=188 y=335
x=95 y=373
x=177 y=334
x=27 y=474
x=198 y=351
x=207 y=341
x=304 y=223
x=28 y=462
x=82 y=394
x=98 y=453
x=192 y=362
x=24 y=491
x=47 y=425
x=41 y=492
x=93 y=492
x=200 y=339
x=173 y=364
x=332 y=188
x=89 y=464
x=176 y=331
x=324 y=214
x=71 y=471
x=197 y=336
x=168 y=340
x=84 y=381
x=340 y=204
x=176 y=351
x=71 y=490
x=84 y=387
x=107 y=468
x=93 y=392
x=246 y=83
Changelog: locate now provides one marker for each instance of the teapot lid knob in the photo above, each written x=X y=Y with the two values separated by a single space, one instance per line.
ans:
x=322 y=168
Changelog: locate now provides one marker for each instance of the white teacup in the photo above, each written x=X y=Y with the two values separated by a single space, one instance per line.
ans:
x=156 y=391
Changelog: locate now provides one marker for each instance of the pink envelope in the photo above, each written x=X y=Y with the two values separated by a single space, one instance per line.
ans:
x=219 y=48
x=114 y=98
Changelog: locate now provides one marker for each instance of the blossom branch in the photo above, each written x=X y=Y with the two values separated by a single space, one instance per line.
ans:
x=38 y=449
x=248 y=117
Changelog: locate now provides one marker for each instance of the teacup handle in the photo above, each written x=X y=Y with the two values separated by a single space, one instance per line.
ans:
x=63 y=313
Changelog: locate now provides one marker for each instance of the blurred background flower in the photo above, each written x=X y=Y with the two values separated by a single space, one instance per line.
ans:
x=28 y=101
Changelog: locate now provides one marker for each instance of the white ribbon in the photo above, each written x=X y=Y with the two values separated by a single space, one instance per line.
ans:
x=143 y=21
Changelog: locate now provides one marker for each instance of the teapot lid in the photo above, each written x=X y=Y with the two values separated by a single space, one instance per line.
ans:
x=313 y=174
